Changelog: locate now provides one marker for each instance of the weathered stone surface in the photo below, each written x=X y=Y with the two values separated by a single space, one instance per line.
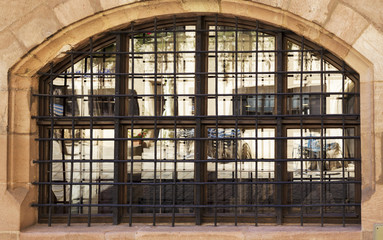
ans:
x=371 y=10
x=274 y=3
x=3 y=159
x=107 y=4
x=189 y=233
x=9 y=235
x=36 y=26
x=10 y=52
x=370 y=45
x=373 y=210
x=346 y=23
x=73 y=10
x=247 y=9
x=20 y=120
x=3 y=111
x=11 y=11
x=311 y=10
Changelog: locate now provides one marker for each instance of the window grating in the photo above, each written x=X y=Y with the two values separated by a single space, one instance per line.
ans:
x=201 y=119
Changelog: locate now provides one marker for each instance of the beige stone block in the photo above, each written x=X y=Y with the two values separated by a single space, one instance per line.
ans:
x=346 y=23
x=11 y=11
x=201 y=5
x=3 y=158
x=305 y=232
x=373 y=210
x=36 y=26
x=3 y=111
x=311 y=10
x=372 y=10
x=370 y=45
x=20 y=111
x=360 y=64
x=10 y=52
x=189 y=233
x=107 y=4
x=378 y=106
x=250 y=10
x=274 y=3
x=73 y=10
x=19 y=155
x=316 y=34
x=9 y=235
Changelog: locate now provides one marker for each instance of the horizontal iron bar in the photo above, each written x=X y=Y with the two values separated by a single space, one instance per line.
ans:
x=199 y=160
x=192 y=206
x=297 y=182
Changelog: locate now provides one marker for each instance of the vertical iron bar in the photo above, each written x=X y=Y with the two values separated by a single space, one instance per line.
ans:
x=175 y=99
x=323 y=156
x=90 y=130
x=301 y=125
x=344 y=185
x=120 y=60
x=131 y=100
x=256 y=121
x=198 y=83
x=279 y=142
x=51 y=103
x=72 y=147
x=236 y=113
x=155 y=120
x=216 y=117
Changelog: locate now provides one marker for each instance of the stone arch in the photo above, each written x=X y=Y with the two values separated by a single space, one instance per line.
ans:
x=72 y=31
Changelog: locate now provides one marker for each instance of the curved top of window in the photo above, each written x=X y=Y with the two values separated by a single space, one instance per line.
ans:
x=226 y=60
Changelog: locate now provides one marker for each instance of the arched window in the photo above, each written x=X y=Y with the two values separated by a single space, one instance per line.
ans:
x=205 y=119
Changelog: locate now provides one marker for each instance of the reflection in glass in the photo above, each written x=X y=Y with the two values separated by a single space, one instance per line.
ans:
x=322 y=165
x=81 y=82
x=175 y=73
x=173 y=165
x=83 y=171
x=225 y=166
x=224 y=80
x=334 y=83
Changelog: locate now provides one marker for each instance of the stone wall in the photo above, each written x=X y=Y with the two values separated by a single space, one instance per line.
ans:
x=35 y=32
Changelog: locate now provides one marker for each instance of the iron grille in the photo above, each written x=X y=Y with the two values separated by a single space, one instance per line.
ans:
x=206 y=119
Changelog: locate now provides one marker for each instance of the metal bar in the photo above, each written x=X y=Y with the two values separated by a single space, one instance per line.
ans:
x=236 y=113
x=175 y=99
x=301 y=124
x=216 y=118
x=155 y=118
x=132 y=80
x=256 y=121
x=279 y=142
x=120 y=46
x=91 y=100
x=51 y=102
x=198 y=106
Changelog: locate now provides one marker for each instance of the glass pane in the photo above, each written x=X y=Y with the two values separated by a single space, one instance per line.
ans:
x=82 y=171
x=321 y=160
x=224 y=81
x=174 y=154
x=225 y=166
x=82 y=82
x=175 y=74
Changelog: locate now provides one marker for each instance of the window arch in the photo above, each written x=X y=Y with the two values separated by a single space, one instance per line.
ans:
x=207 y=119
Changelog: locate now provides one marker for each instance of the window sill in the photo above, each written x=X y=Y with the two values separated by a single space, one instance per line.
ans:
x=143 y=232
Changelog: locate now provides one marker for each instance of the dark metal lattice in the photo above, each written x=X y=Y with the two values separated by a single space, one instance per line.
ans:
x=200 y=119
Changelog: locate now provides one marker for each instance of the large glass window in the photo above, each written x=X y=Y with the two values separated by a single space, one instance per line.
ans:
x=208 y=119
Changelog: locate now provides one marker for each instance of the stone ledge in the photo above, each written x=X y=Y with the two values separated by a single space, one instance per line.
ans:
x=123 y=231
